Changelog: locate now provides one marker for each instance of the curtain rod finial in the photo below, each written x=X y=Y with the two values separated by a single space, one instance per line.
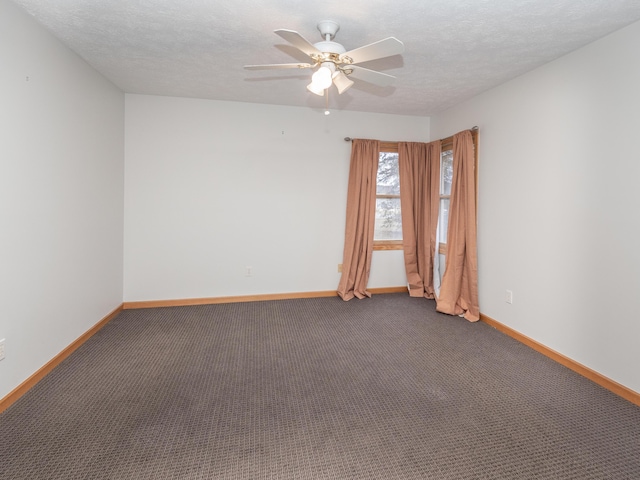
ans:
x=347 y=139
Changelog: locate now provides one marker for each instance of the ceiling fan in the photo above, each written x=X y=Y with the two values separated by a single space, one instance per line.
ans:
x=336 y=65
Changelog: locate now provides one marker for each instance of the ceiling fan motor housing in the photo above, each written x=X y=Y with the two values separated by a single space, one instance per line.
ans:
x=330 y=47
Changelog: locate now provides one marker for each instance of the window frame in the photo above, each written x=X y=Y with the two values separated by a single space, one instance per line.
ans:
x=444 y=147
x=391 y=147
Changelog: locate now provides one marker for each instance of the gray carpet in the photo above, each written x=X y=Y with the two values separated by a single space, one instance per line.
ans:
x=383 y=388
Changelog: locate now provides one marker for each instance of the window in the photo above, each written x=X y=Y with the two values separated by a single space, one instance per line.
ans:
x=446 y=175
x=388 y=224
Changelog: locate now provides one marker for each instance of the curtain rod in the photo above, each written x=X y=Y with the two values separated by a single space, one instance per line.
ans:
x=348 y=139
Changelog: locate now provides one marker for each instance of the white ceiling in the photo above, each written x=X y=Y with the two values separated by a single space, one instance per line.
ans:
x=454 y=49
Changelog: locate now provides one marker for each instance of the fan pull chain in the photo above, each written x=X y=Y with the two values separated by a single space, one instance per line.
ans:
x=326 y=102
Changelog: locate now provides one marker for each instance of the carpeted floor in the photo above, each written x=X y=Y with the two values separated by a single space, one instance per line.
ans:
x=384 y=388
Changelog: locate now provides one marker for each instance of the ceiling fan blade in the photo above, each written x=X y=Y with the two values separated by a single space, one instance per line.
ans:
x=277 y=66
x=371 y=76
x=342 y=82
x=298 y=41
x=383 y=48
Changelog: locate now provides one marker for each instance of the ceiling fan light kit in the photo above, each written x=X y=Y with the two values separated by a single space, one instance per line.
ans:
x=335 y=64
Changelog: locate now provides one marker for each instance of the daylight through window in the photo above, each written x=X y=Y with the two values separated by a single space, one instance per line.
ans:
x=446 y=175
x=388 y=223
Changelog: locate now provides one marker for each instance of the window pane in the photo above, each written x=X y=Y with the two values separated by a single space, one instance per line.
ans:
x=388 y=224
x=388 y=178
x=446 y=172
x=443 y=219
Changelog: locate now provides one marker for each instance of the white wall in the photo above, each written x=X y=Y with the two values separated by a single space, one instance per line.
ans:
x=213 y=187
x=558 y=203
x=61 y=196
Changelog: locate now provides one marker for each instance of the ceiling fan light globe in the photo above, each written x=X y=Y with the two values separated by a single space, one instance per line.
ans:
x=313 y=88
x=322 y=78
x=342 y=82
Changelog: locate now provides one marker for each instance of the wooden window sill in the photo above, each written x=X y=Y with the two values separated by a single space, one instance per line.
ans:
x=387 y=244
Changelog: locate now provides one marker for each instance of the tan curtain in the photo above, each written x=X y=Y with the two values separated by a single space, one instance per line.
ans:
x=419 y=167
x=459 y=289
x=361 y=208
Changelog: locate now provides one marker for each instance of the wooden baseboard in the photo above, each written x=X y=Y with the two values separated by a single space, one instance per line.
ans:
x=21 y=389
x=185 y=302
x=377 y=291
x=614 y=387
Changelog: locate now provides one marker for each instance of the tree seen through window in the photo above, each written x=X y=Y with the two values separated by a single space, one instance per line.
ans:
x=388 y=223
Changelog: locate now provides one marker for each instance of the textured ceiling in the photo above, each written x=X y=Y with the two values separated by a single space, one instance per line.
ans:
x=454 y=49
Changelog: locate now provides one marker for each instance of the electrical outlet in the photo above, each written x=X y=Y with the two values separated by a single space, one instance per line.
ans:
x=2 y=349
x=509 y=297
x=248 y=272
